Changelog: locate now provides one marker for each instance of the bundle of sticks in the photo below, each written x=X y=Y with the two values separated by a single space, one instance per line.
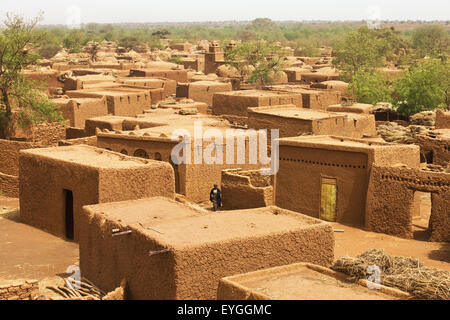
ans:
x=78 y=290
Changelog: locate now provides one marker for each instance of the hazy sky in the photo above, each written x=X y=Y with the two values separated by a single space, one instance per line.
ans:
x=109 y=11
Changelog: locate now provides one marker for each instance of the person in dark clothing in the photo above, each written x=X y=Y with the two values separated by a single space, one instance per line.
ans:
x=216 y=198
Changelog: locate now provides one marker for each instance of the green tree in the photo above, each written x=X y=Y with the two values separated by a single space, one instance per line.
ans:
x=369 y=87
x=363 y=49
x=19 y=93
x=73 y=41
x=425 y=86
x=257 y=60
x=431 y=40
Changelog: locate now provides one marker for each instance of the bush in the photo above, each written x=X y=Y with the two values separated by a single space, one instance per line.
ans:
x=425 y=86
x=369 y=87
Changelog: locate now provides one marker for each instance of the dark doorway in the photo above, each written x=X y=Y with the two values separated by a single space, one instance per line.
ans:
x=68 y=195
x=421 y=220
x=429 y=157
x=177 y=177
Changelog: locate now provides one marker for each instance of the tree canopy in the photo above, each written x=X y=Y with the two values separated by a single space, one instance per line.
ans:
x=18 y=41
x=260 y=61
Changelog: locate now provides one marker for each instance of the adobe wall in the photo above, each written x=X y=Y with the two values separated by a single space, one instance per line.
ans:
x=9 y=186
x=77 y=111
x=119 y=103
x=42 y=182
x=246 y=190
x=336 y=124
x=437 y=147
x=45 y=134
x=75 y=133
x=320 y=99
x=390 y=201
x=213 y=60
x=19 y=290
x=201 y=178
x=192 y=271
x=442 y=119
x=289 y=283
x=110 y=123
x=317 y=99
x=203 y=91
x=177 y=75
x=49 y=78
x=236 y=104
x=295 y=74
x=81 y=82
x=169 y=86
x=298 y=182
x=9 y=155
x=317 y=77
x=90 y=141
x=195 y=181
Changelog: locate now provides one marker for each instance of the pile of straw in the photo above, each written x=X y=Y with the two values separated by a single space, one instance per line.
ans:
x=406 y=274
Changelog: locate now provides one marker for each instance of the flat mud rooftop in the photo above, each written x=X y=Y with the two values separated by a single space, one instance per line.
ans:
x=174 y=223
x=88 y=156
x=302 y=282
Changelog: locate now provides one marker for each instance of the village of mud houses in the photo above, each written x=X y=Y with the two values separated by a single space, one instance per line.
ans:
x=203 y=151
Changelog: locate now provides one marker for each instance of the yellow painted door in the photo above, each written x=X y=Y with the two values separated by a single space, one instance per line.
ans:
x=328 y=200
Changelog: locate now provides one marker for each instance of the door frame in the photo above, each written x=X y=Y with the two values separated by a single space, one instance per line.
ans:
x=334 y=179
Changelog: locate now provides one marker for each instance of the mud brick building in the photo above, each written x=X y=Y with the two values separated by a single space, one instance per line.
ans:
x=193 y=180
x=177 y=75
x=120 y=102
x=435 y=147
x=214 y=58
x=169 y=86
x=171 y=251
x=301 y=281
x=237 y=103
x=242 y=189
x=77 y=111
x=319 y=76
x=196 y=63
x=353 y=108
x=47 y=76
x=184 y=47
x=9 y=166
x=327 y=177
x=442 y=119
x=55 y=183
x=295 y=73
x=292 y=121
x=335 y=85
x=203 y=91
x=180 y=105
x=391 y=201
x=82 y=82
x=318 y=99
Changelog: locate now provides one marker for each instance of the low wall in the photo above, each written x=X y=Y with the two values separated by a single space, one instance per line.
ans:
x=9 y=186
x=19 y=290
x=246 y=190
x=390 y=201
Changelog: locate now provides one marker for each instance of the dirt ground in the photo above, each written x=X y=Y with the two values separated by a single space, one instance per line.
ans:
x=354 y=241
x=29 y=253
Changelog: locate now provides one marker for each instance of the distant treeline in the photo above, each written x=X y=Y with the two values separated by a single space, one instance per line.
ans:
x=305 y=37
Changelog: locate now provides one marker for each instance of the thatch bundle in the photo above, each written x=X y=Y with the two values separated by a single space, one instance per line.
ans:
x=406 y=274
